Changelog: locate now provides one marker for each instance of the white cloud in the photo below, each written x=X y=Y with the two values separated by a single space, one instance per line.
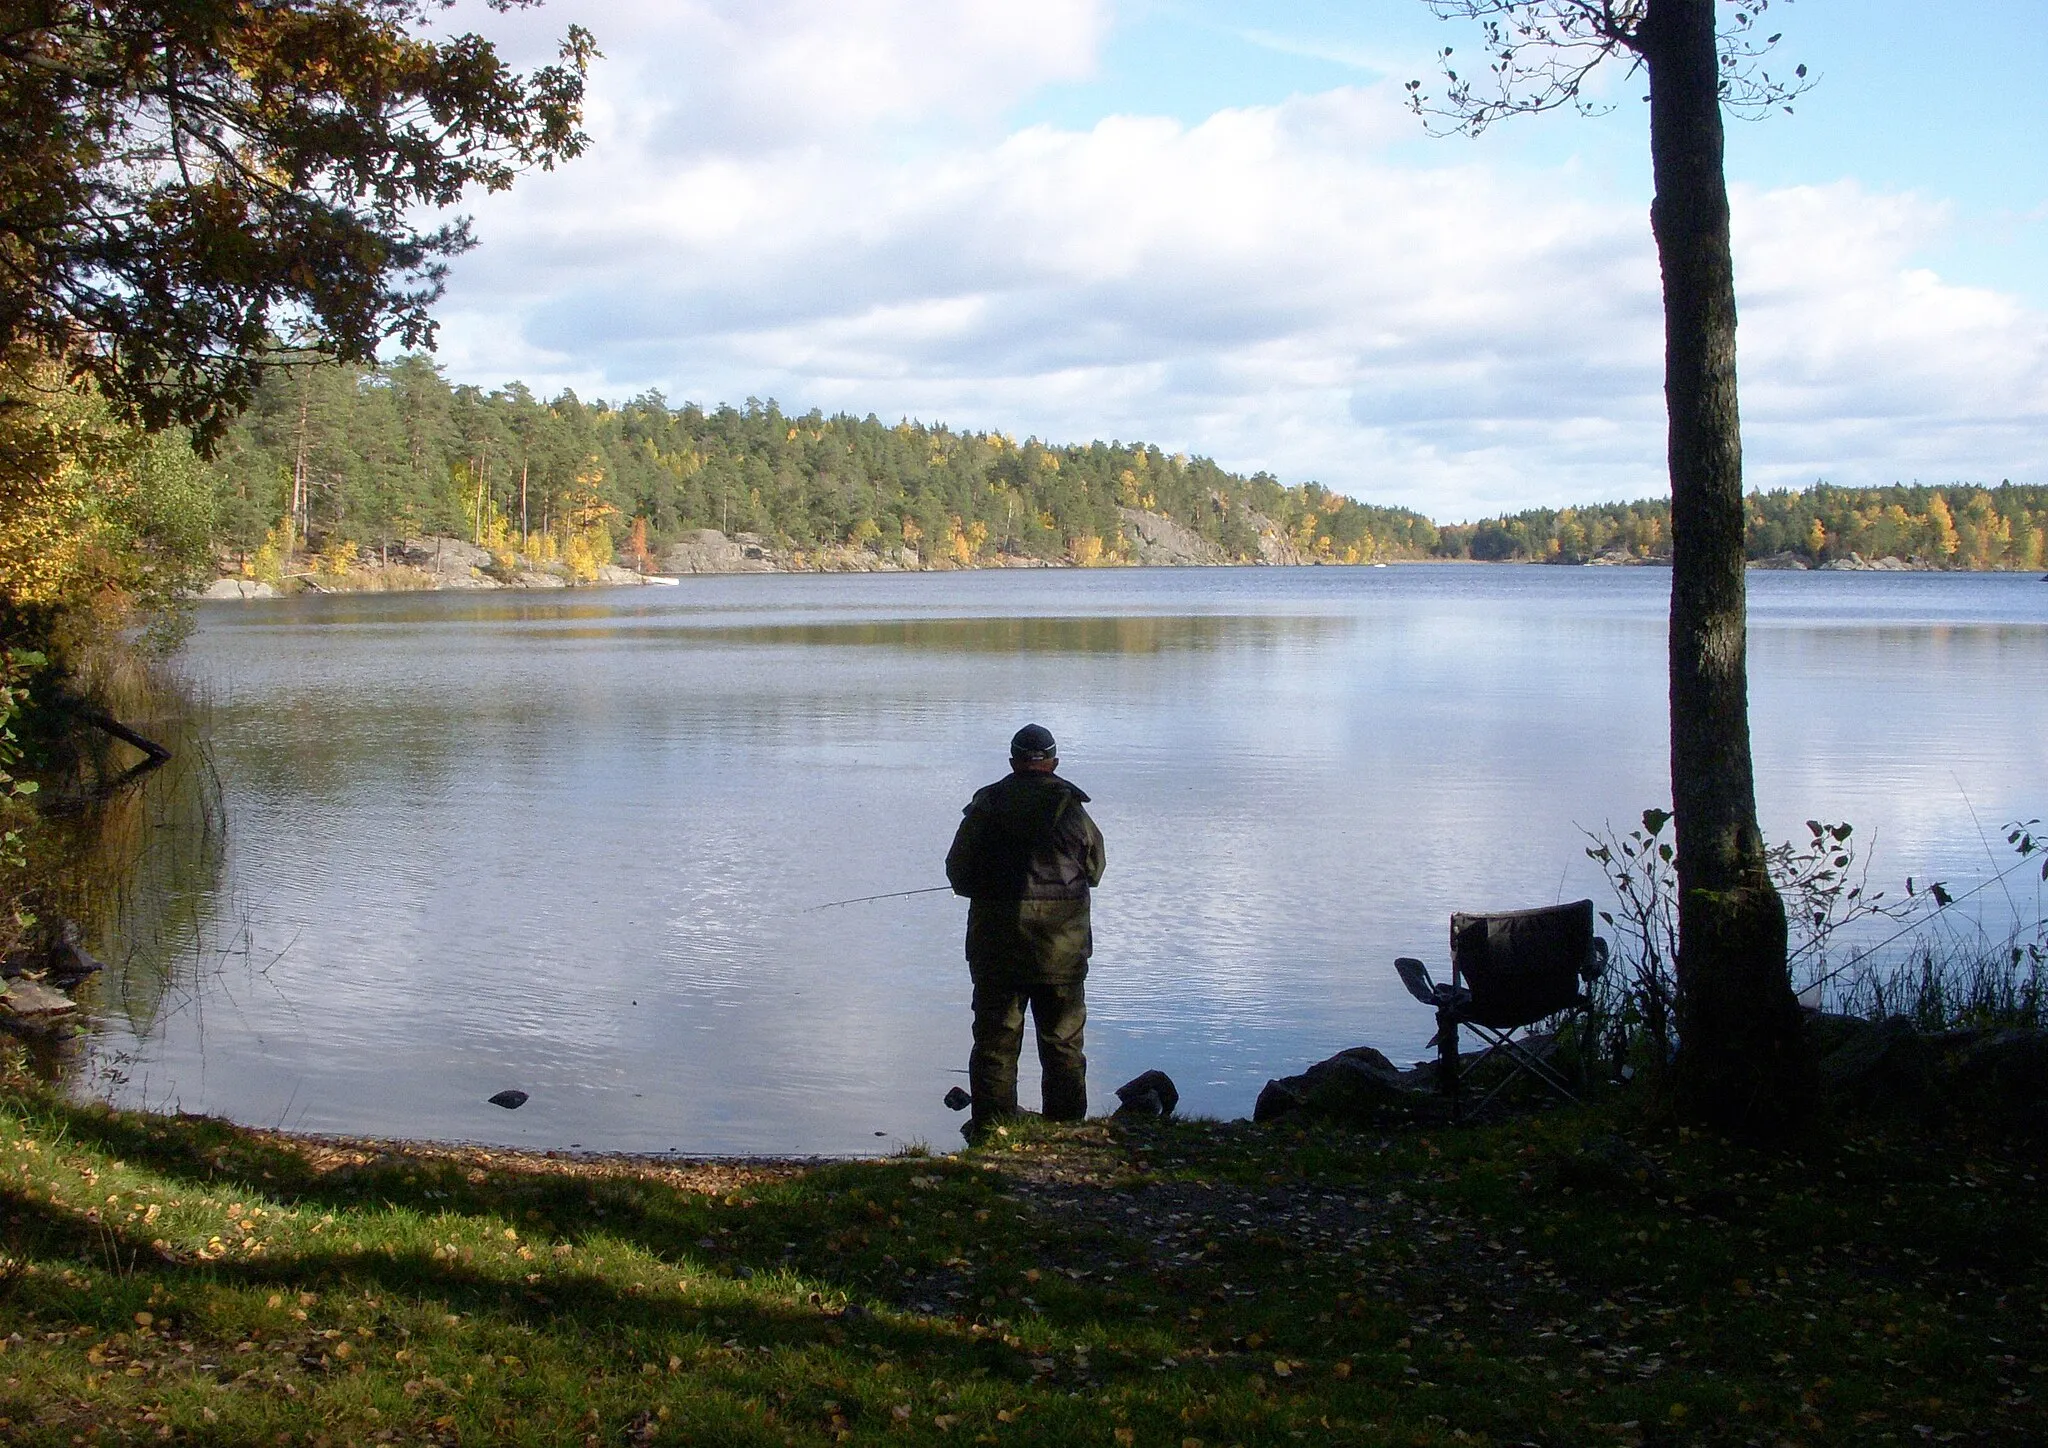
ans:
x=1862 y=366
x=821 y=207
x=752 y=76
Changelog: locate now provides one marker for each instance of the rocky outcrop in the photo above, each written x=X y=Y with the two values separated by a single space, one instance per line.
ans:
x=1158 y=540
x=450 y=562
x=434 y=562
x=1857 y=563
x=238 y=588
x=852 y=558
x=709 y=551
x=1275 y=547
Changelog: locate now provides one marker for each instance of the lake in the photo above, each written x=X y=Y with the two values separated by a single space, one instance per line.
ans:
x=573 y=843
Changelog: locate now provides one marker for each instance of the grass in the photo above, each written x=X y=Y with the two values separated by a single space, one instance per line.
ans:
x=1576 y=1278
x=1945 y=985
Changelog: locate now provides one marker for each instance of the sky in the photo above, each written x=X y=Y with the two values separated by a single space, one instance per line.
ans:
x=1212 y=225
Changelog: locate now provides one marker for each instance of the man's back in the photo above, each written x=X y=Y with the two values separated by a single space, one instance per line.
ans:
x=1026 y=854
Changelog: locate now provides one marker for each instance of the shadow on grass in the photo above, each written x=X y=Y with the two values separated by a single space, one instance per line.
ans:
x=746 y=1286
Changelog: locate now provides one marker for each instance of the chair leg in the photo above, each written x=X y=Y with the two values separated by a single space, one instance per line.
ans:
x=1447 y=1062
x=1519 y=1060
x=1521 y=1065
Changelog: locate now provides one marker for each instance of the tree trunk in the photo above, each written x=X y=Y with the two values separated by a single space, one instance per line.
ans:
x=1741 y=1055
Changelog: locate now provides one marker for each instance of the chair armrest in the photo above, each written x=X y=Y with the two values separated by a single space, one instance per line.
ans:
x=1415 y=975
x=1596 y=966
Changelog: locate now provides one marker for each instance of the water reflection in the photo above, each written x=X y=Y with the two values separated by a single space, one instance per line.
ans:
x=1142 y=634
x=572 y=844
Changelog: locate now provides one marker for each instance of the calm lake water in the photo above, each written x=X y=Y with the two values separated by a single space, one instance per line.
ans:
x=571 y=843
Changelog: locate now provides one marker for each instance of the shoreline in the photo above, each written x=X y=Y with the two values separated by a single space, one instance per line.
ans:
x=435 y=565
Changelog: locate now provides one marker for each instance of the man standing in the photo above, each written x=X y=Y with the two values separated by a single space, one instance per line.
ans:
x=1026 y=855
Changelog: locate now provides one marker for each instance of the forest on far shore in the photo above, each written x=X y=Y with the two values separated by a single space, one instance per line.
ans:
x=345 y=458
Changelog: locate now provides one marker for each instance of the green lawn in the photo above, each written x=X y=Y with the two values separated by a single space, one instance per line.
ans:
x=1576 y=1278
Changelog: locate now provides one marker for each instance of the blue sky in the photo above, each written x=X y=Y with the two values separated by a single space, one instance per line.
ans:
x=1954 y=110
x=1212 y=225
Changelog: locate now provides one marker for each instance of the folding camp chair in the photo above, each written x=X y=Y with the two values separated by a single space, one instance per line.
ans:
x=1509 y=971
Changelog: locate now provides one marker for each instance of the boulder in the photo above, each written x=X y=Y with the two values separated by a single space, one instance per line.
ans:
x=1358 y=1084
x=2004 y=1073
x=31 y=1005
x=69 y=961
x=1152 y=1094
x=1876 y=1065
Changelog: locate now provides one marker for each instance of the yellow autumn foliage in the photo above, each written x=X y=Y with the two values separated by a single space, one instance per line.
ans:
x=585 y=551
x=337 y=558
x=98 y=520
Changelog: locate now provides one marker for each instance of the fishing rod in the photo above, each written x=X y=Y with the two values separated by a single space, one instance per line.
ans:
x=892 y=895
x=1943 y=901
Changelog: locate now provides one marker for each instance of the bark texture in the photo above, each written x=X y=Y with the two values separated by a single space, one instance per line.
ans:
x=1742 y=1061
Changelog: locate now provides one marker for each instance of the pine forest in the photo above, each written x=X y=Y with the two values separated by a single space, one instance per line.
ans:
x=342 y=462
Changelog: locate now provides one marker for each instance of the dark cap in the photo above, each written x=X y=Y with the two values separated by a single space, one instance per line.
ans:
x=1032 y=743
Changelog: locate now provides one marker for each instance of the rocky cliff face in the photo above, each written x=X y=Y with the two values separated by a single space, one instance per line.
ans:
x=709 y=551
x=1275 y=547
x=1156 y=539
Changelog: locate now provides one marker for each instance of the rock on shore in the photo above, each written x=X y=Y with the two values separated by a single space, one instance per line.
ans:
x=434 y=562
x=1356 y=1085
x=238 y=588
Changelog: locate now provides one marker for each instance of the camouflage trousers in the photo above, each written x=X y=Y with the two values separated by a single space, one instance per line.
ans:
x=1059 y=1013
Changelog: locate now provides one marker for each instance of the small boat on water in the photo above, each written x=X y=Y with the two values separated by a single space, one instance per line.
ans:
x=661 y=578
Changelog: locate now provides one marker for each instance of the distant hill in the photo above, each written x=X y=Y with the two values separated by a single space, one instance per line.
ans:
x=371 y=457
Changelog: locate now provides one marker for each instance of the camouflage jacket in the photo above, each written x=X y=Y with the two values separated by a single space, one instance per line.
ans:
x=1026 y=855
